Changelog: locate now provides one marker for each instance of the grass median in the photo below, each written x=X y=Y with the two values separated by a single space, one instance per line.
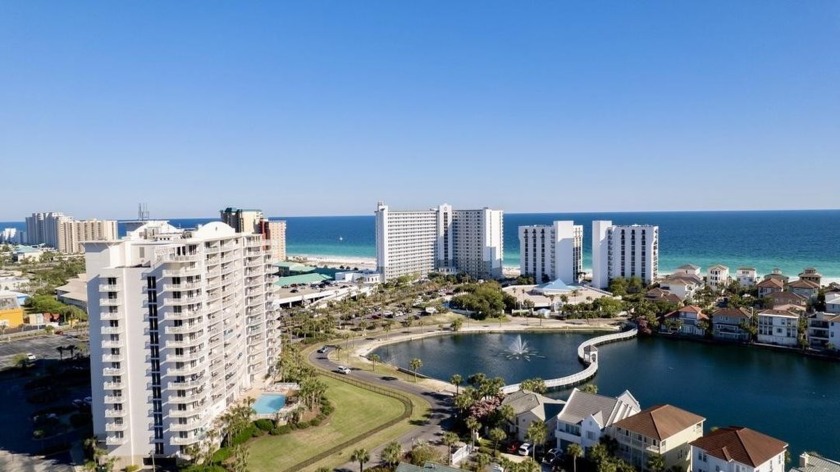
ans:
x=357 y=411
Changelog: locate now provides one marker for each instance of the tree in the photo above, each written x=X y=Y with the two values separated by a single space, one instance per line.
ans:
x=473 y=425
x=497 y=435
x=392 y=453
x=240 y=458
x=361 y=456
x=482 y=460
x=450 y=439
x=574 y=451
x=537 y=433
x=589 y=388
x=415 y=364
x=536 y=385
x=598 y=454
x=456 y=380
x=656 y=463
x=457 y=324
x=374 y=358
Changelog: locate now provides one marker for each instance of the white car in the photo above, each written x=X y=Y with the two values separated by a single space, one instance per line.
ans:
x=344 y=370
x=525 y=449
x=30 y=356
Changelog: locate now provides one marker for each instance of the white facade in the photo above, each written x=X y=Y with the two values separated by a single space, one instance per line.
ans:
x=441 y=239
x=824 y=330
x=624 y=251
x=718 y=277
x=778 y=327
x=585 y=417
x=181 y=324
x=65 y=233
x=832 y=302
x=737 y=449
x=681 y=286
x=552 y=251
x=11 y=236
x=358 y=276
x=746 y=276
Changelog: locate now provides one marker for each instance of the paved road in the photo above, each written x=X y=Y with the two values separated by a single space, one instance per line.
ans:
x=431 y=431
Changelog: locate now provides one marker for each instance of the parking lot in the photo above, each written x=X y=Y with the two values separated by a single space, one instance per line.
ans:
x=43 y=348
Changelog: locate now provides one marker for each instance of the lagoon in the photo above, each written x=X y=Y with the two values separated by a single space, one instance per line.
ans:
x=783 y=394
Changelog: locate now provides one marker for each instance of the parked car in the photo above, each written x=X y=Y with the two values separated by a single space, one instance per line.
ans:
x=31 y=356
x=549 y=456
x=323 y=349
x=512 y=447
x=344 y=370
x=525 y=449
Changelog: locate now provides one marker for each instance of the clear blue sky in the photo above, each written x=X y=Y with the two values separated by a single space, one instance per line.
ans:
x=323 y=108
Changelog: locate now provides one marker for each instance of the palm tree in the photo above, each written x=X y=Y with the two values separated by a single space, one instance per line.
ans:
x=449 y=439
x=392 y=453
x=456 y=380
x=374 y=358
x=473 y=425
x=415 y=364
x=656 y=463
x=528 y=465
x=482 y=460
x=497 y=435
x=537 y=433
x=574 y=451
x=361 y=456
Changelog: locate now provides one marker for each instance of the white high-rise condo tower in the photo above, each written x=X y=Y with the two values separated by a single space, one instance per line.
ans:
x=441 y=239
x=624 y=251
x=552 y=252
x=181 y=325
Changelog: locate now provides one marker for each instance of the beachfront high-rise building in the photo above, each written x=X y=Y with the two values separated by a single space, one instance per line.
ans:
x=181 y=325
x=552 y=252
x=253 y=221
x=417 y=242
x=624 y=251
x=65 y=233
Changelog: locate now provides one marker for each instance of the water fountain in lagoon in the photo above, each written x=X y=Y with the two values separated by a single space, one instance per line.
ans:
x=519 y=349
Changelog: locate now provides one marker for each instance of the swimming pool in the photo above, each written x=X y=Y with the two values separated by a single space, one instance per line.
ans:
x=269 y=403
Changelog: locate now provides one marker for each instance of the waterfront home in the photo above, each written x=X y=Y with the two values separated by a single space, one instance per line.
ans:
x=746 y=276
x=737 y=449
x=688 y=269
x=768 y=286
x=529 y=407
x=777 y=327
x=787 y=301
x=777 y=275
x=661 y=294
x=585 y=416
x=664 y=430
x=811 y=275
x=686 y=320
x=682 y=286
x=832 y=302
x=728 y=323
x=824 y=330
x=718 y=277
x=806 y=288
x=811 y=462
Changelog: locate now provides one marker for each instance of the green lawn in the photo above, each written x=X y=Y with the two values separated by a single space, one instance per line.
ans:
x=356 y=411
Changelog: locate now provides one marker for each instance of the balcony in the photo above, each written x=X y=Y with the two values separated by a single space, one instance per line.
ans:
x=182 y=286
x=185 y=357
x=109 y=287
x=110 y=301
x=187 y=370
x=184 y=314
x=184 y=329
x=186 y=384
x=187 y=342
x=183 y=258
x=112 y=358
x=115 y=441
x=112 y=344
x=114 y=399
x=115 y=413
x=113 y=385
x=185 y=300
x=111 y=426
x=184 y=272
x=184 y=413
x=113 y=371
x=185 y=441
x=188 y=426
x=108 y=316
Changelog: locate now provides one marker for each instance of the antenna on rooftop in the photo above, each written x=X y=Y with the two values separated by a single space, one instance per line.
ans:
x=142 y=211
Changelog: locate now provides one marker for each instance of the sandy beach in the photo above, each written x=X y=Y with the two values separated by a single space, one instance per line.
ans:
x=335 y=261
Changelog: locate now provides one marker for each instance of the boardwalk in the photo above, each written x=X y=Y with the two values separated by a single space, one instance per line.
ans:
x=588 y=355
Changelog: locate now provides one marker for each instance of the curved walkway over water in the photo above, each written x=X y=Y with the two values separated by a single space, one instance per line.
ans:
x=588 y=355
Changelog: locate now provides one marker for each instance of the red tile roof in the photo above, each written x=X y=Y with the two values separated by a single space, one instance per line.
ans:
x=660 y=422
x=799 y=283
x=770 y=283
x=740 y=444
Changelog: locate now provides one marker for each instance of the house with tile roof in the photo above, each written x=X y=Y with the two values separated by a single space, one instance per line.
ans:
x=811 y=462
x=529 y=407
x=737 y=449
x=777 y=275
x=585 y=416
x=778 y=327
x=663 y=430
x=687 y=320
x=682 y=286
x=811 y=275
x=660 y=294
x=728 y=324
x=788 y=301
x=768 y=286
x=805 y=288
x=718 y=277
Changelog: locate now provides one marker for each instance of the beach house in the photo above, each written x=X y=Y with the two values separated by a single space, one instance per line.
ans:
x=585 y=416
x=832 y=302
x=805 y=288
x=811 y=275
x=824 y=330
x=689 y=320
x=737 y=449
x=778 y=327
x=746 y=276
x=682 y=285
x=718 y=277
x=768 y=286
x=663 y=430
x=728 y=324
x=529 y=407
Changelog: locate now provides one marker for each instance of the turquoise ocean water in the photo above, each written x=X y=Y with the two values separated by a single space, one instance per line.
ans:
x=789 y=240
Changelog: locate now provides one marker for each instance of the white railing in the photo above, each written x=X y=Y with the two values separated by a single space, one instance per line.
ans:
x=588 y=355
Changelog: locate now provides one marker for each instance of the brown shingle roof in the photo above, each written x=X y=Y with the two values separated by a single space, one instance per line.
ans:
x=771 y=283
x=732 y=313
x=780 y=298
x=799 y=283
x=660 y=422
x=741 y=445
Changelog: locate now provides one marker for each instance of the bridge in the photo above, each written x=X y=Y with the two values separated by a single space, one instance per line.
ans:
x=587 y=354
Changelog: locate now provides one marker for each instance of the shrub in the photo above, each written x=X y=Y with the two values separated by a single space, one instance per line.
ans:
x=221 y=455
x=315 y=422
x=250 y=432
x=132 y=468
x=264 y=424
x=285 y=429
x=303 y=425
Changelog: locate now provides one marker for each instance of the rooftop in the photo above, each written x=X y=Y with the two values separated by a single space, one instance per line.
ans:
x=810 y=462
x=582 y=405
x=731 y=313
x=740 y=444
x=301 y=279
x=660 y=422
